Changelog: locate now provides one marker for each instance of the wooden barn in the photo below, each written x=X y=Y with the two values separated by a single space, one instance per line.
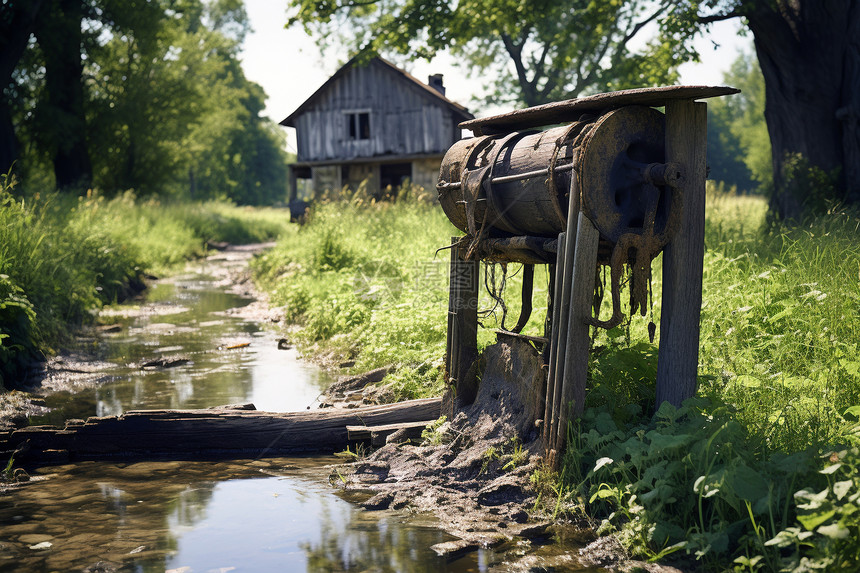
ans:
x=373 y=121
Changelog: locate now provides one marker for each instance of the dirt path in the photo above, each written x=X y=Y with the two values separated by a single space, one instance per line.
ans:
x=476 y=473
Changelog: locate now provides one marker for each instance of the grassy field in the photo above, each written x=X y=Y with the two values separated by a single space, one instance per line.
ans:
x=62 y=257
x=764 y=459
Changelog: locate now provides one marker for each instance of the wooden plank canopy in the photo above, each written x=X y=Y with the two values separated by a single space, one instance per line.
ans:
x=570 y=110
x=217 y=432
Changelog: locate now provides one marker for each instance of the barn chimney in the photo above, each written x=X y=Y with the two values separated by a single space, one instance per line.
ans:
x=435 y=82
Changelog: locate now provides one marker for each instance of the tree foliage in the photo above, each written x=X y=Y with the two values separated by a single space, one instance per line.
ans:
x=738 y=143
x=164 y=104
x=536 y=50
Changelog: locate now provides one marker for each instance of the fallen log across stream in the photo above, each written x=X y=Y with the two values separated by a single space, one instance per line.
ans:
x=222 y=432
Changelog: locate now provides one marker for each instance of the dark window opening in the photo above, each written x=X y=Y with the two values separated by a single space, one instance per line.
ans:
x=394 y=174
x=358 y=125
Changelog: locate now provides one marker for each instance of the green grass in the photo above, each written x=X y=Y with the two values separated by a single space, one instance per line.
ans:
x=758 y=473
x=63 y=256
x=766 y=457
x=364 y=280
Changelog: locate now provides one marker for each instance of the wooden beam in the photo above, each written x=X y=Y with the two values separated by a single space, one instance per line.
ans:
x=678 y=360
x=464 y=325
x=575 y=365
x=214 y=433
x=377 y=434
x=549 y=418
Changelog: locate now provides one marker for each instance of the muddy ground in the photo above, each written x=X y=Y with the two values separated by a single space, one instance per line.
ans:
x=475 y=471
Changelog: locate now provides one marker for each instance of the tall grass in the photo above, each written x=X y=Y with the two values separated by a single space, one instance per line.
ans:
x=765 y=459
x=62 y=256
x=364 y=280
x=781 y=326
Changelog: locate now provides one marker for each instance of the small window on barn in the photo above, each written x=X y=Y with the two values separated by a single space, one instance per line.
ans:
x=358 y=125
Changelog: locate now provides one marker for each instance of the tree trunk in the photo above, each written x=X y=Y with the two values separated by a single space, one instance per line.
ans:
x=60 y=37
x=17 y=21
x=809 y=53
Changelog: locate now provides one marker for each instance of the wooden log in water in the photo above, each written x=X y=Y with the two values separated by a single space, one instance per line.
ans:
x=213 y=433
x=377 y=435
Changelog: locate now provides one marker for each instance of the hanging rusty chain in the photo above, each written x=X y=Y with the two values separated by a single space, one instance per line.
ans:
x=637 y=250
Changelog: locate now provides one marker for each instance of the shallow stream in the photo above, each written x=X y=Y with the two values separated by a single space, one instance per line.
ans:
x=279 y=514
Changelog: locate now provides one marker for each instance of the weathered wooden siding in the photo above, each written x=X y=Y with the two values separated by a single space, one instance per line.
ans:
x=362 y=172
x=404 y=118
x=326 y=178
x=425 y=172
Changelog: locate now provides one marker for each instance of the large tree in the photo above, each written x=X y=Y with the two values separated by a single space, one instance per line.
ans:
x=59 y=33
x=17 y=22
x=537 y=50
x=809 y=54
x=808 y=50
x=148 y=96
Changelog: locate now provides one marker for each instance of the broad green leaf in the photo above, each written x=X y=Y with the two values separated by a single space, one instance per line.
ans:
x=602 y=462
x=748 y=381
x=814 y=518
x=852 y=412
x=853 y=368
x=834 y=531
x=788 y=537
x=667 y=442
x=831 y=468
x=747 y=484
x=840 y=488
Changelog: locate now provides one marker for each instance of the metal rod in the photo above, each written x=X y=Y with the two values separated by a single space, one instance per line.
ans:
x=531 y=174
x=445 y=186
x=535 y=339
x=528 y=288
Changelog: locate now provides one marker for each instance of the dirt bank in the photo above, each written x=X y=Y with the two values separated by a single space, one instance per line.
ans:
x=476 y=472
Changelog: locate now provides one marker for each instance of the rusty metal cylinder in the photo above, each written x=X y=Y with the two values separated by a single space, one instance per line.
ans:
x=520 y=183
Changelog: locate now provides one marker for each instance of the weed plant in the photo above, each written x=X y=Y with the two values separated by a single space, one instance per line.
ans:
x=759 y=472
x=364 y=280
x=63 y=256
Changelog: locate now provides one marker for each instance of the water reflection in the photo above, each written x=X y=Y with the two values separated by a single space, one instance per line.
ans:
x=273 y=515
x=188 y=517
x=201 y=329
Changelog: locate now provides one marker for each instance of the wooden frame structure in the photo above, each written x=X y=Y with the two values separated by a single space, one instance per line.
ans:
x=576 y=258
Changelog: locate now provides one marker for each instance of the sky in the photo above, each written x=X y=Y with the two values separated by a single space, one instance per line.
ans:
x=289 y=66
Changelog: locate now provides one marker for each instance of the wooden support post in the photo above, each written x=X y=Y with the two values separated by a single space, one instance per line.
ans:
x=293 y=191
x=576 y=351
x=678 y=360
x=463 y=326
x=452 y=295
x=564 y=278
x=557 y=305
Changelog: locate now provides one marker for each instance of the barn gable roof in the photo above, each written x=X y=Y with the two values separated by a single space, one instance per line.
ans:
x=460 y=112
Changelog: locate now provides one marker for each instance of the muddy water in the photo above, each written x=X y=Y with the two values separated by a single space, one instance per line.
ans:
x=219 y=356
x=272 y=515
x=191 y=516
